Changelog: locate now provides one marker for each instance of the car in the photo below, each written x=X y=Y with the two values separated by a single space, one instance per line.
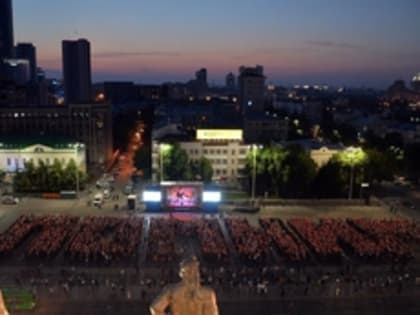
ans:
x=10 y=200
x=98 y=200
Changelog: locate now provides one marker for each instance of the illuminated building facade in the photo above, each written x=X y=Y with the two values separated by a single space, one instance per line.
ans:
x=224 y=148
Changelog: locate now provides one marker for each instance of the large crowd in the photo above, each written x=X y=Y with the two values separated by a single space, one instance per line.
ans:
x=288 y=246
x=165 y=233
x=54 y=232
x=251 y=243
x=105 y=239
x=116 y=239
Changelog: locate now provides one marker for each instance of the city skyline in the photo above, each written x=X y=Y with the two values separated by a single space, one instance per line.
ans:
x=360 y=43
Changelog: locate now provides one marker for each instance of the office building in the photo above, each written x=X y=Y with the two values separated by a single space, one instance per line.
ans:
x=90 y=124
x=17 y=70
x=6 y=29
x=260 y=128
x=6 y=35
x=15 y=152
x=76 y=71
x=251 y=89
x=415 y=82
x=224 y=148
x=230 y=81
x=27 y=51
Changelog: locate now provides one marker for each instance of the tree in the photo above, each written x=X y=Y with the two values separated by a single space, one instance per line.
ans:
x=411 y=161
x=380 y=165
x=330 y=181
x=299 y=171
x=201 y=170
x=176 y=163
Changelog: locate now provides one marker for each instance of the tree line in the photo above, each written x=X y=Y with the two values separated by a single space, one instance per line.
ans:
x=49 y=178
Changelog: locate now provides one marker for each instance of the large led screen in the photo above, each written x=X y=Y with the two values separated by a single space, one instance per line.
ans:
x=182 y=197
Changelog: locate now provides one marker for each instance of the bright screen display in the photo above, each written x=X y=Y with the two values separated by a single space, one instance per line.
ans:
x=182 y=197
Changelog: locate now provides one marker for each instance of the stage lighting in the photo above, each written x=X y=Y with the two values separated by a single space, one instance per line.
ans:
x=152 y=196
x=212 y=196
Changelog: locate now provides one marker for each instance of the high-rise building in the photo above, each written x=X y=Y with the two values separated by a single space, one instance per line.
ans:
x=76 y=71
x=6 y=35
x=28 y=51
x=416 y=82
x=251 y=82
x=17 y=70
x=201 y=77
x=6 y=29
x=230 y=81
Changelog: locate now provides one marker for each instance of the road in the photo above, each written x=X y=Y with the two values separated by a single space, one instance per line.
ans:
x=347 y=306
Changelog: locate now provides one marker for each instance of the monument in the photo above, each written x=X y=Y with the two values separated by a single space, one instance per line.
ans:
x=187 y=297
x=3 y=310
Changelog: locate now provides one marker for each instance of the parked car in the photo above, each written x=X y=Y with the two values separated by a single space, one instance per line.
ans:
x=98 y=200
x=10 y=200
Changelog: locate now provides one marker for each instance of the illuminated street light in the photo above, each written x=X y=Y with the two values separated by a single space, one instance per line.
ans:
x=254 y=149
x=351 y=157
x=76 y=147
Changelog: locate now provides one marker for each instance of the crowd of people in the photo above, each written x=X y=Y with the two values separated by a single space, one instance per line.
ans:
x=321 y=238
x=115 y=239
x=105 y=239
x=17 y=233
x=164 y=233
x=161 y=241
x=291 y=248
x=252 y=244
x=55 y=230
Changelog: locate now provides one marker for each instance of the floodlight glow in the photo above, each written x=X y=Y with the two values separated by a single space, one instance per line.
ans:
x=152 y=196
x=212 y=196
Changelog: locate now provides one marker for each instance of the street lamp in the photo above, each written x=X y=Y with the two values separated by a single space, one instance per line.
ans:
x=254 y=148
x=76 y=147
x=162 y=148
x=351 y=157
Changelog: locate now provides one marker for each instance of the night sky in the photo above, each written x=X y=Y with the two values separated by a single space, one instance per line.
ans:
x=353 y=42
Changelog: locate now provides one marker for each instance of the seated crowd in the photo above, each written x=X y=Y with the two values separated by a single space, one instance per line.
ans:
x=17 y=233
x=105 y=239
x=292 y=249
x=55 y=231
x=251 y=244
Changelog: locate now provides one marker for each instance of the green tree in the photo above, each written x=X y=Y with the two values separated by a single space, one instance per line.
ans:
x=299 y=171
x=411 y=161
x=176 y=164
x=201 y=170
x=380 y=165
x=330 y=181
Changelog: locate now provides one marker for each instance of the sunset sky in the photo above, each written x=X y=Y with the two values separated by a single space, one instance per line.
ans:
x=354 y=42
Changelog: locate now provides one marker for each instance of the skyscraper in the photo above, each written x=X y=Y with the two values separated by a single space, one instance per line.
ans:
x=6 y=29
x=230 y=81
x=28 y=51
x=76 y=71
x=6 y=35
x=251 y=82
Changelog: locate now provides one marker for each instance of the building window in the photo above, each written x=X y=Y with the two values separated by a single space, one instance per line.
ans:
x=205 y=151
x=233 y=152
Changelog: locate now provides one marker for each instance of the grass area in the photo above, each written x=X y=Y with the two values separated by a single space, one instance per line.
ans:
x=19 y=299
x=234 y=195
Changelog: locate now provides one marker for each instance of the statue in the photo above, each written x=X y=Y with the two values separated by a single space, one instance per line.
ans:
x=187 y=297
x=3 y=310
